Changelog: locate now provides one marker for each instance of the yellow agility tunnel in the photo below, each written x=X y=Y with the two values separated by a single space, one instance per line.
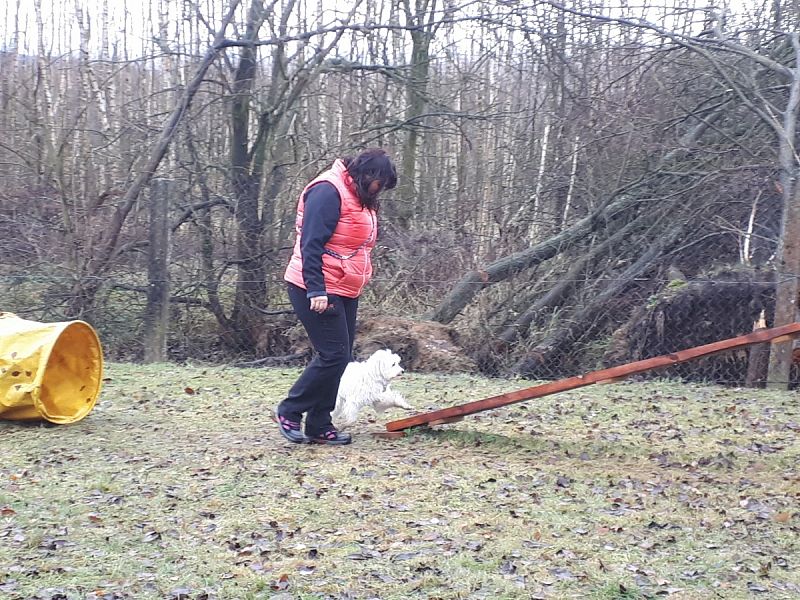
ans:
x=50 y=371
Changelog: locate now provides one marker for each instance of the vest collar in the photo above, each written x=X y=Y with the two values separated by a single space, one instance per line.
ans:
x=340 y=170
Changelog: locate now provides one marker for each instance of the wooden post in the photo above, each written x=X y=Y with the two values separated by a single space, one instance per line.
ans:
x=156 y=317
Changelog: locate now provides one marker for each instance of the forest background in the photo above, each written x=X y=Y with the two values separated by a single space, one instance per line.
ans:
x=581 y=184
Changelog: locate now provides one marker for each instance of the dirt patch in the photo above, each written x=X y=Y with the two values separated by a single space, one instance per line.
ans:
x=424 y=346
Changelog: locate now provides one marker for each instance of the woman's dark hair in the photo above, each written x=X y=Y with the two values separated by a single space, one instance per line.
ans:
x=368 y=166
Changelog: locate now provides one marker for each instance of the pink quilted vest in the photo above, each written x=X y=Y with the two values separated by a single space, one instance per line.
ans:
x=346 y=262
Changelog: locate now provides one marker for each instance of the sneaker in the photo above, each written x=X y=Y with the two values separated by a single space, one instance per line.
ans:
x=290 y=429
x=331 y=437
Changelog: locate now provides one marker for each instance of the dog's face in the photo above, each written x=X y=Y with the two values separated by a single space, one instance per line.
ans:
x=387 y=363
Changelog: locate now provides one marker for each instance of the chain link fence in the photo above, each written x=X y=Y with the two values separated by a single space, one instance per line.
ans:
x=656 y=316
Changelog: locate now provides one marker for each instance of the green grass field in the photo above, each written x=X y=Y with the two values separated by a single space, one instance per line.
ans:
x=178 y=486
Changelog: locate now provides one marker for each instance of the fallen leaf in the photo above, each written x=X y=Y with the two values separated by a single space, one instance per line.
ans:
x=404 y=556
x=306 y=569
x=282 y=583
x=562 y=573
x=782 y=517
x=508 y=568
x=9 y=585
x=151 y=536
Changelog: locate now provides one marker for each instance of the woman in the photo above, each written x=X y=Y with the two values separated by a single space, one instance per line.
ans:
x=336 y=230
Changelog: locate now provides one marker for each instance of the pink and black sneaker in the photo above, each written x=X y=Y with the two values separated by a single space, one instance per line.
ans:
x=330 y=437
x=290 y=429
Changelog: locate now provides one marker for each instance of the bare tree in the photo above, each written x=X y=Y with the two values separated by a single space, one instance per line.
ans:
x=292 y=69
x=421 y=20
x=85 y=289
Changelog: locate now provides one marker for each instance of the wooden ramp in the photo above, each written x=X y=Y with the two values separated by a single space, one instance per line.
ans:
x=456 y=413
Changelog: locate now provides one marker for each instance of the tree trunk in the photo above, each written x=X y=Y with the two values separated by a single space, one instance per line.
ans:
x=787 y=290
x=246 y=169
x=519 y=329
x=250 y=158
x=555 y=345
x=757 y=364
x=473 y=282
x=405 y=206
x=787 y=283
x=156 y=317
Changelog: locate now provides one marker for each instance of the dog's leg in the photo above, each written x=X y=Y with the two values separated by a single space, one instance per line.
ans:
x=337 y=411
x=398 y=399
x=347 y=414
x=388 y=399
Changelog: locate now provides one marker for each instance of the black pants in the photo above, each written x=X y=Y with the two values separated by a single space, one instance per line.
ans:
x=332 y=334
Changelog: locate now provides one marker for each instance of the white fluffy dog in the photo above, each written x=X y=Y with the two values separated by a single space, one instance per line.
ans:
x=366 y=383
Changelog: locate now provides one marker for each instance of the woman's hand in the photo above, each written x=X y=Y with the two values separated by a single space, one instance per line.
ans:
x=319 y=304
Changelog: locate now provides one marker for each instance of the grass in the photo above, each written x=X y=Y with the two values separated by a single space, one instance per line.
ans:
x=177 y=486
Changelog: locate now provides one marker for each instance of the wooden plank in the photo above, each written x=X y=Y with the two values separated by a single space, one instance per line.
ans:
x=621 y=371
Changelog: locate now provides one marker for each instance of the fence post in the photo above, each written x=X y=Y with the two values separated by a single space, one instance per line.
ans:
x=156 y=317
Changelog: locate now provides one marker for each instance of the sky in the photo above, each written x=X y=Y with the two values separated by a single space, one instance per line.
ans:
x=130 y=29
x=131 y=23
